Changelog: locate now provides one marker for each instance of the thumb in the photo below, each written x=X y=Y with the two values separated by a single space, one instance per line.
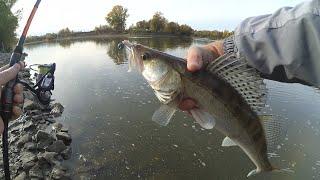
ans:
x=194 y=59
x=9 y=74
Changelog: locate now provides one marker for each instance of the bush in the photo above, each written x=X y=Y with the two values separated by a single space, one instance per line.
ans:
x=103 y=29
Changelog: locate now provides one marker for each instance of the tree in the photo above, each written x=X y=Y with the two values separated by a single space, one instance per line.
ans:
x=143 y=25
x=186 y=30
x=158 y=22
x=50 y=37
x=117 y=18
x=8 y=25
x=103 y=29
x=9 y=3
x=172 y=28
x=65 y=32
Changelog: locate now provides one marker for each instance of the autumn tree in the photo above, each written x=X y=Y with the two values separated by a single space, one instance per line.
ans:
x=8 y=25
x=158 y=22
x=117 y=18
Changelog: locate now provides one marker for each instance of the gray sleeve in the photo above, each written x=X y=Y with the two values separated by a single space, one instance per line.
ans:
x=289 y=39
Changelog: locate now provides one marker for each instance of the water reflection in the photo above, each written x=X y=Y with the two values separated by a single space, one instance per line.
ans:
x=115 y=53
x=109 y=114
x=65 y=43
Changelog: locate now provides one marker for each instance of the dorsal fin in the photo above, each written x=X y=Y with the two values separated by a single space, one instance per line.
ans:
x=246 y=80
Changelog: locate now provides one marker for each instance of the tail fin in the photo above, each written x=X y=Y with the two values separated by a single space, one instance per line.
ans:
x=274 y=170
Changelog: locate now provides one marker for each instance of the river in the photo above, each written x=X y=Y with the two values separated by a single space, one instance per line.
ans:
x=108 y=111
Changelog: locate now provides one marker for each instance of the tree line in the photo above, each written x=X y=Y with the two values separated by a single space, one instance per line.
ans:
x=117 y=17
x=116 y=21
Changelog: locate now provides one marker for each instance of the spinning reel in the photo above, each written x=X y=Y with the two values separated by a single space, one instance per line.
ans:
x=44 y=82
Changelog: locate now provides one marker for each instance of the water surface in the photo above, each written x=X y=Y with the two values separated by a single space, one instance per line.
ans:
x=108 y=111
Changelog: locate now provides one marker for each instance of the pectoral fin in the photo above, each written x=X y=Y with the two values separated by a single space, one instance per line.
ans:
x=163 y=115
x=228 y=142
x=203 y=118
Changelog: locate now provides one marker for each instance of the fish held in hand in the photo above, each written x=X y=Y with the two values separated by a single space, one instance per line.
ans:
x=228 y=93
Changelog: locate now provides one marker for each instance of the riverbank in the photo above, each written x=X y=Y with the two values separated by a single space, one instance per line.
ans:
x=88 y=35
x=38 y=143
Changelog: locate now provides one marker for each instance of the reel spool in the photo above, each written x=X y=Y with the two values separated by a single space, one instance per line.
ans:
x=44 y=82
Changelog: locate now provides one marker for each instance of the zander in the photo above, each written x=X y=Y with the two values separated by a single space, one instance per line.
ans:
x=228 y=92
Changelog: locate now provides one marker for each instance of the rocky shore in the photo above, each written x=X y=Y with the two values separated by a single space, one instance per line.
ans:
x=38 y=144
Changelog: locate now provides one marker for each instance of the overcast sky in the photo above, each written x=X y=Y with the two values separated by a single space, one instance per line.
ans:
x=83 y=15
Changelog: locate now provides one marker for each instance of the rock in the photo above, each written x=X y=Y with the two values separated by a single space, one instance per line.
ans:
x=30 y=146
x=15 y=126
x=57 y=146
x=24 y=139
x=37 y=117
x=16 y=130
x=48 y=157
x=12 y=139
x=59 y=172
x=36 y=172
x=43 y=136
x=29 y=126
x=35 y=112
x=66 y=154
x=28 y=160
x=17 y=166
x=65 y=137
x=44 y=139
x=42 y=127
x=64 y=129
x=29 y=104
x=57 y=109
x=28 y=165
x=27 y=157
x=21 y=176
x=50 y=120
x=57 y=126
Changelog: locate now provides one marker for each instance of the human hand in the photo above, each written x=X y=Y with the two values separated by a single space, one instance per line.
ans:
x=7 y=74
x=197 y=58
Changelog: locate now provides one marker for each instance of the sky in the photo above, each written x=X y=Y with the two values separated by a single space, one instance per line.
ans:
x=84 y=15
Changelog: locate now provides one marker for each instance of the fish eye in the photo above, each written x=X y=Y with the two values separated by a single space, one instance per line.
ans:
x=146 y=56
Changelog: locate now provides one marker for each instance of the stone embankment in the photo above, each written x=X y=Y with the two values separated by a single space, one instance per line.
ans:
x=38 y=144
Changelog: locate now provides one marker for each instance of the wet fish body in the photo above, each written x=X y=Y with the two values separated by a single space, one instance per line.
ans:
x=225 y=98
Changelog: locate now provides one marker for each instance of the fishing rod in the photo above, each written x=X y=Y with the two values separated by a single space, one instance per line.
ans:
x=7 y=93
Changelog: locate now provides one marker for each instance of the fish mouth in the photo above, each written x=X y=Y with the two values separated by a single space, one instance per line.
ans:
x=135 y=54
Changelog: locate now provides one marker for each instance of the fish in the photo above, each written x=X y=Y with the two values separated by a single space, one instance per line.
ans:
x=228 y=92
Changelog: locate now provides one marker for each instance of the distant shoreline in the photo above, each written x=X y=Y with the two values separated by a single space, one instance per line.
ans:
x=88 y=36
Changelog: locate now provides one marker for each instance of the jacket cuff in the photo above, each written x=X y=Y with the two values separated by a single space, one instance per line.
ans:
x=229 y=45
